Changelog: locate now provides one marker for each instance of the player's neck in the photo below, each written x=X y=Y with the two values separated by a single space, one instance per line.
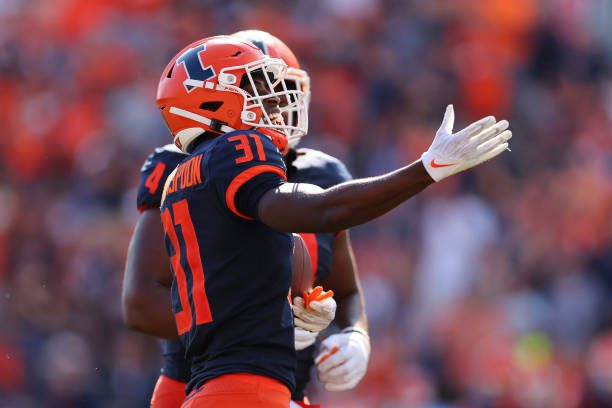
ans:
x=204 y=137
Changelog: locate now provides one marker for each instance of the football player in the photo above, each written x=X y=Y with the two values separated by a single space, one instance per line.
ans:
x=334 y=265
x=235 y=176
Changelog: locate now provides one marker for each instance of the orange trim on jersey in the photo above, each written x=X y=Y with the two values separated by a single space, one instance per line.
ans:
x=242 y=178
x=146 y=207
x=339 y=233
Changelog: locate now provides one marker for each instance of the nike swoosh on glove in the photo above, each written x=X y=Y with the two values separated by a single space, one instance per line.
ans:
x=452 y=153
x=343 y=359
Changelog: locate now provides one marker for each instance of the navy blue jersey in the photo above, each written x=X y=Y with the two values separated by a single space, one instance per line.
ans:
x=315 y=167
x=310 y=166
x=153 y=175
x=232 y=273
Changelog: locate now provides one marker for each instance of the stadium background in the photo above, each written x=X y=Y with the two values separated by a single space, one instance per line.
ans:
x=492 y=289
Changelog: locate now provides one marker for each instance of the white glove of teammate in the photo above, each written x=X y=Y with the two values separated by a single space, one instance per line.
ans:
x=310 y=320
x=343 y=359
x=451 y=153
x=316 y=316
x=304 y=338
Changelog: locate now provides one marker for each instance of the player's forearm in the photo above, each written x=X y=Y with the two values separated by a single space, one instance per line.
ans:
x=344 y=281
x=150 y=312
x=146 y=281
x=342 y=206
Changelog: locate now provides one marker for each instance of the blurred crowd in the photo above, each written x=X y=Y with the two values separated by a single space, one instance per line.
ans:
x=491 y=289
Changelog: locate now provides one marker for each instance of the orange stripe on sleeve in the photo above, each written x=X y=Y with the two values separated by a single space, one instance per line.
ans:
x=242 y=178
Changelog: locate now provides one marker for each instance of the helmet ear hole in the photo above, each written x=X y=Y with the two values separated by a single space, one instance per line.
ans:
x=170 y=72
x=212 y=106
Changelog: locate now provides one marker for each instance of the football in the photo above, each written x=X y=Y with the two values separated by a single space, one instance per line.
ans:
x=301 y=278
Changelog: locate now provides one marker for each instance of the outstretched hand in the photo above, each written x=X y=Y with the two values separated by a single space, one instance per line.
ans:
x=452 y=153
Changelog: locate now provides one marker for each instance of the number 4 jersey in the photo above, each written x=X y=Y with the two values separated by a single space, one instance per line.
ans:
x=231 y=272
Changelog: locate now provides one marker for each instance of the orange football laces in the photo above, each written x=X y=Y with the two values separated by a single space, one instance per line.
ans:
x=317 y=294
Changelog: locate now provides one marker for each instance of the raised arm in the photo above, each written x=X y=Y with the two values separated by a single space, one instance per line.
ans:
x=307 y=208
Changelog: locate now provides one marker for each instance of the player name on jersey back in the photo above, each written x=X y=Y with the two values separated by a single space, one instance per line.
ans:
x=187 y=174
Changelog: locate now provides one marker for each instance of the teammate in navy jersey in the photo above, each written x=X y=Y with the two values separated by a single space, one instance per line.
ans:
x=147 y=279
x=304 y=165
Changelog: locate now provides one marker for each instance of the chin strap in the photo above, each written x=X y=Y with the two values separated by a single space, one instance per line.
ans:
x=212 y=124
x=278 y=138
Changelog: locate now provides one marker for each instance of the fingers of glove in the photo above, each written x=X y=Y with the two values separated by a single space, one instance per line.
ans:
x=343 y=386
x=476 y=127
x=350 y=367
x=489 y=133
x=302 y=334
x=490 y=154
x=311 y=323
x=346 y=382
x=299 y=309
x=306 y=325
x=299 y=302
x=333 y=341
x=343 y=375
x=316 y=317
x=336 y=359
x=304 y=338
x=338 y=387
x=448 y=120
x=324 y=307
x=301 y=345
x=491 y=143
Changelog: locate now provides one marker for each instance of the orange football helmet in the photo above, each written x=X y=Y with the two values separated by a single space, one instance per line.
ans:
x=204 y=89
x=295 y=111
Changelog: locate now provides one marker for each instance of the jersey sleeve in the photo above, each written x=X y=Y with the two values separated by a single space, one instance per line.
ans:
x=153 y=175
x=243 y=166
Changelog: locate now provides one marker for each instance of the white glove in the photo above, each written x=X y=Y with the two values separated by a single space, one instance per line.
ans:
x=343 y=359
x=304 y=338
x=316 y=316
x=451 y=153
x=312 y=316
